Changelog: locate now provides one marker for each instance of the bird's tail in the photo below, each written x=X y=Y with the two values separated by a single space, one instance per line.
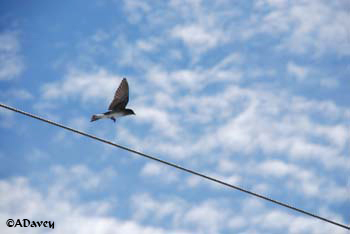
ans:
x=95 y=117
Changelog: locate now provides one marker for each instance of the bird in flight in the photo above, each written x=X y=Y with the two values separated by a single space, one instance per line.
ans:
x=117 y=107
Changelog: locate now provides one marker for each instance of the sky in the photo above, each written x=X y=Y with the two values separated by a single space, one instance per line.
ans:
x=255 y=93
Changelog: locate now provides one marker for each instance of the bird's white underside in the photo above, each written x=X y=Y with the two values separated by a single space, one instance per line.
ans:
x=115 y=115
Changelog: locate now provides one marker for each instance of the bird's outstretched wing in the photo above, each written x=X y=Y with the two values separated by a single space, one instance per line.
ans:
x=121 y=96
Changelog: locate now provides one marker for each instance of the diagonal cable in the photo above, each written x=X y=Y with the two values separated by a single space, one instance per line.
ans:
x=176 y=166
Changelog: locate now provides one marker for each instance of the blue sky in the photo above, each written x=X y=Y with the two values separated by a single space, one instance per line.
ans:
x=255 y=93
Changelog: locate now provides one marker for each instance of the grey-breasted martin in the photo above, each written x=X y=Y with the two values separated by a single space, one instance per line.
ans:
x=117 y=106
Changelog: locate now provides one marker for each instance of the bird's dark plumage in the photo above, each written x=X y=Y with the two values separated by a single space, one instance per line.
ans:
x=121 y=97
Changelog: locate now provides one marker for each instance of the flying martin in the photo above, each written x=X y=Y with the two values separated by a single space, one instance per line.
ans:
x=117 y=107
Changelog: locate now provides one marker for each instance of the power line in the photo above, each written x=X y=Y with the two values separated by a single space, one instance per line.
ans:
x=174 y=165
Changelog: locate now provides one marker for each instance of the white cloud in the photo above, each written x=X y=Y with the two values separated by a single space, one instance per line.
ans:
x=195 y=79
x=204 y=217
x=37 y=155
x=131 y=54
x=70 y=181
x=197 y=36
x=69 y=215
x=329 y=83
x=21 y=94
x=299 y=72
x=194 y=23
x=202 y=26
x=305 y=182
x=225 y=165
x=160 y=172
x=145 y=205
x=151 y=169
x=148 y=45
x=276 y=168
x=266 y=124
x=208 y=217
x=11 y=62
x=161 y=121
x=135 y=10
x=62 y=204
x=165 y=147
x=87 y=86
x=81 y=123
x=217 y=216
x=305 y=25
x=295 y=224
x=100 y=35
x=274 y=122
